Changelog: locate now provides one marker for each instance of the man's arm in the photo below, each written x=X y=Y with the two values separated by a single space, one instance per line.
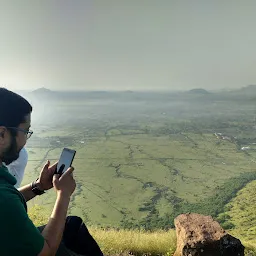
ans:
x=53 y=231
x=27 y=192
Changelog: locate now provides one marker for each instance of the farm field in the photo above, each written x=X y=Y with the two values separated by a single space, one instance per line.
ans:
x=141 y=164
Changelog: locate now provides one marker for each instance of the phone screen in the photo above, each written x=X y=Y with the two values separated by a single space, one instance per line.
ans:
x=65 y=160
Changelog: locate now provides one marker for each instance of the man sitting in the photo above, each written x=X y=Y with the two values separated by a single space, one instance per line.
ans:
x=62 y=235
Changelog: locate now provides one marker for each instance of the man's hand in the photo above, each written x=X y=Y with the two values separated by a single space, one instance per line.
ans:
x=45 y=179
x=64 y=185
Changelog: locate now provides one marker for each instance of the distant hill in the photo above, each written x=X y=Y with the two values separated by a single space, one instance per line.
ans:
x=199 y=91
x=42 y=91
x=42 y=95
x=244 y=93
x=248 y=89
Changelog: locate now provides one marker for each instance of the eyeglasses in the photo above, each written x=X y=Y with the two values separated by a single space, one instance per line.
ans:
x=27 y=132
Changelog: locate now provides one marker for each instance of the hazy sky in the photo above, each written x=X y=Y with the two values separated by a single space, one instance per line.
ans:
x=131 y=44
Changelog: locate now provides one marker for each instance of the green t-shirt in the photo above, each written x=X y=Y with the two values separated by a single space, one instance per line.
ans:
x=18 y=235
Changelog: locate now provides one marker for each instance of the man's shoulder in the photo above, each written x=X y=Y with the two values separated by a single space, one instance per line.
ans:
x=15 y=224
x=11 y=198
x=7 y=189
x=9 y=192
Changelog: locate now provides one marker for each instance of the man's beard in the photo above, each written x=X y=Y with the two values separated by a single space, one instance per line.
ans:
x=12 y=153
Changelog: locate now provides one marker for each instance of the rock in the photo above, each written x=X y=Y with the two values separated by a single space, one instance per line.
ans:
x=199 y=235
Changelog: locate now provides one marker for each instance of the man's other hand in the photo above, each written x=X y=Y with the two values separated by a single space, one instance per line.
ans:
x=65 y=184
x=45 y=179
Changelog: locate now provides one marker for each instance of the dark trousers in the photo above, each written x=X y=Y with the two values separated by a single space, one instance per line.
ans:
x=76 y=239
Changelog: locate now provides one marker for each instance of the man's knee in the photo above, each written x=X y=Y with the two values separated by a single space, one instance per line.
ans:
x=74 y=223
x=74 y=219
x=78 y=239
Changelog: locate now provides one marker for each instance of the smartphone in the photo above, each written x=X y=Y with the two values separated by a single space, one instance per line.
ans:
x=65 y=161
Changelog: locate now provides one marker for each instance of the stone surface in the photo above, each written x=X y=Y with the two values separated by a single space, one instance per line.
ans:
x=199 y=235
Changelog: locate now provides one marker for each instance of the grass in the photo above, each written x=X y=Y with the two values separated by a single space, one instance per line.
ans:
x=109 y=169
x=112 y=172
x=240 y=213
x=139 y=165
x=136 y=242
x=112 y=241
x=240 y=216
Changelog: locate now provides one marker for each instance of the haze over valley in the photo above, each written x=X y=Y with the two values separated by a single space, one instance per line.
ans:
x=144 y=157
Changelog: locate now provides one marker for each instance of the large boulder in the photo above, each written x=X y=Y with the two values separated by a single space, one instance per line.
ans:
x=199 y=235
